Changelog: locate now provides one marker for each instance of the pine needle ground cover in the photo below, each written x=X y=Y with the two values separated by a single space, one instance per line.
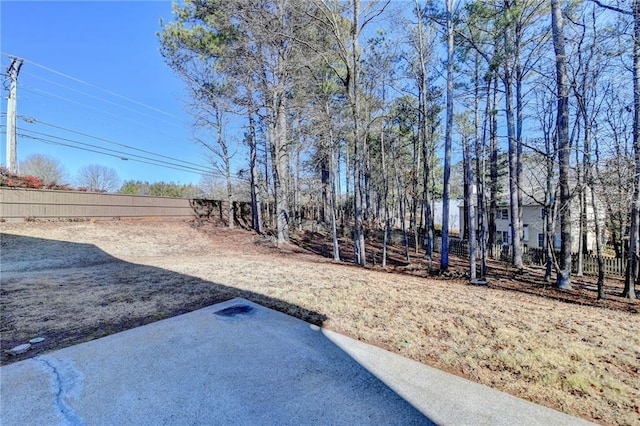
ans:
x=73 y=282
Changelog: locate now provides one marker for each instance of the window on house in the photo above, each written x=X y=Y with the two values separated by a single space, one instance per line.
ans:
x=505 y=237
x=525 y=232
x=540 y=240
x=503 y=214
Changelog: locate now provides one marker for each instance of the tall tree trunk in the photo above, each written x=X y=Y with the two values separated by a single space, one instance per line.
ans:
x=427 y=216
x=256 y=213
x=385 y=184
x=332 y=199
x=581 y=190
x=563 y=280
x=582 y=233
x=470 y=200
x=354 y=95
x=493 y=170
x=401 y=199
x=518 y=134
x=466 y=186
x=231 y=207
x=595 y=206
x=325 y=214
x=632 y=264
x=348 y=164
x=332 y=165
x=226 y=162
x=426 y=201
x=444 y=252
x=270 y=208
x=549 y=212
x=513 y=132
x=299 y=213
x=480 y=163
x=414 y=191
x=514 y=189
x=366 y=177
x=279 y=159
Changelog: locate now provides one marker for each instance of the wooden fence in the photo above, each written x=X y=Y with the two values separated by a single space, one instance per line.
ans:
x=613 y=267
x=31 y=204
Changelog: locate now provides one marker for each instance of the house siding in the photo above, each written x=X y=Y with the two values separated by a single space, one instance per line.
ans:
x=531 y=216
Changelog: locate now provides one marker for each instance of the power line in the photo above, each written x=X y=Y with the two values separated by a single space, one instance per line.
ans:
x=95 y=87
x=53 y=95
x=97 y=98
x=177 y=123
x=50 y=142
x=33 y=120
x=71 y=143
x=115 y=153
x=127 y=155
x=179 y=168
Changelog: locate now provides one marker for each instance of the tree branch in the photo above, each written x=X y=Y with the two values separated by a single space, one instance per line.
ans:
x=615 y=9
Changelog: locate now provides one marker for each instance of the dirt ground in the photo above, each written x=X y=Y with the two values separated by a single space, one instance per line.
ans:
x=73 y=282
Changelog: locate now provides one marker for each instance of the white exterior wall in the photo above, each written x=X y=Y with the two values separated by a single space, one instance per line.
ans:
x=455 y=214
x=531 y=216
x=532 y=225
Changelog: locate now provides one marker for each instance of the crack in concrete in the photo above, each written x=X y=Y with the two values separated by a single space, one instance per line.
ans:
x=66 y=383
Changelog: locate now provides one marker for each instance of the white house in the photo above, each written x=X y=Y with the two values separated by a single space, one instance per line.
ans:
x=533 y=225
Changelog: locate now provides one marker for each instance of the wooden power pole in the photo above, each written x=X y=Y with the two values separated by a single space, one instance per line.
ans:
x=12 y=71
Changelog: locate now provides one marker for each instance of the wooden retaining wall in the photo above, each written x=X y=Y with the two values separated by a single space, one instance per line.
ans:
x=37 y=204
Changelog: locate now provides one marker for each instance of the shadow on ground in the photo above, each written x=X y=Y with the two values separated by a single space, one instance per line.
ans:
x=71 y=293
x=319 y=244
x=500 y=275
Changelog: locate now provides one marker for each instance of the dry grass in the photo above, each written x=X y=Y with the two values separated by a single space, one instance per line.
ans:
x=583 y=360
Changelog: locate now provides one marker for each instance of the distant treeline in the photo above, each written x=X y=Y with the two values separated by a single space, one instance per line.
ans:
x=160 y=189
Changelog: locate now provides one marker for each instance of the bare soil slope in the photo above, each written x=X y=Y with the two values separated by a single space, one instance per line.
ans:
x=73 y=282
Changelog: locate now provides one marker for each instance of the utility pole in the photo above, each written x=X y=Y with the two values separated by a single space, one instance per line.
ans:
x=13 y=71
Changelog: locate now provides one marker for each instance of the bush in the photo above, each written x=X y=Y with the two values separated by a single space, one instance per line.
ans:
x=13 y=180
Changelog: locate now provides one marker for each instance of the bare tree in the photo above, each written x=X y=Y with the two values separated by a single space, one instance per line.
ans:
x=238 y=39
x=633 y=266
x=347 y=39
x=44 y=167
x=212 y=115
x=590 y=66
x=421 y=41
x=98 y=178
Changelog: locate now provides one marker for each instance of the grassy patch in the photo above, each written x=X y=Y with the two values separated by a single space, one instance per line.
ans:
x=581 y=358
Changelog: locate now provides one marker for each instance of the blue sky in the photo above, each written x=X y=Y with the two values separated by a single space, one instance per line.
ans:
x=93 y=74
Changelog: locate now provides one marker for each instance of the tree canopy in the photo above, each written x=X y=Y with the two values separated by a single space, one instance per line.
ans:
x=342 y=110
